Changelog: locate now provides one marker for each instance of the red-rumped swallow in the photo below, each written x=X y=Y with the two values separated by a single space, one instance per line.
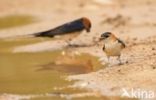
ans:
x=70 y=27
x=112 y=45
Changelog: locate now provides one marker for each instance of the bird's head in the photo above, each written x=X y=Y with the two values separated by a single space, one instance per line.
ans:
x=107 y=36
x=87 y=24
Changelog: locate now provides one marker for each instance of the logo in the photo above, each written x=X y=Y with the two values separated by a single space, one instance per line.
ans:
x=138 y=93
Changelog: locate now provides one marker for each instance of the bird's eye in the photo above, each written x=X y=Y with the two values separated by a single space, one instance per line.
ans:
x=106 y=36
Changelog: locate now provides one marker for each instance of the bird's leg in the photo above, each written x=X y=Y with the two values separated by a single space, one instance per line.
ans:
x=69 y=42
x=108 y=58
x=119 y=58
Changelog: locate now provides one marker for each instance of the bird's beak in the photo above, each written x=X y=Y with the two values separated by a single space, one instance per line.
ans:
x=88 y=29
x=101 y=38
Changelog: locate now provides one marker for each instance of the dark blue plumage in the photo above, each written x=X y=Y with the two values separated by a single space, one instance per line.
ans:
x=70 y=27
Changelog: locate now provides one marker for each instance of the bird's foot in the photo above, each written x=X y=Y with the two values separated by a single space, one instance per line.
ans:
x=74 y=45
x=120 y=63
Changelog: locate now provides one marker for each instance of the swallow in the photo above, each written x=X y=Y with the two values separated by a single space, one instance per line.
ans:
x=112 y=45
x=67 y=28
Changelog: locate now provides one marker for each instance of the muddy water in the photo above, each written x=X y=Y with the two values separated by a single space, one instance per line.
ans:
x=16 y=20
x=42 y=72
x=42 y=75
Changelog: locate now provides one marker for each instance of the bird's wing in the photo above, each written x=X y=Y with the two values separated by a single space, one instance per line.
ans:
x=103 y=48
x=70 y=27
x=122 y=43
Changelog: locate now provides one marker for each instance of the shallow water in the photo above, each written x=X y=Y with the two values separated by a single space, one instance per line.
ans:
x=41 y=72
x=10 y=21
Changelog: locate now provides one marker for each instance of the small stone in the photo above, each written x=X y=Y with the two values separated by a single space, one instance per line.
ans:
x=77 y=53
x=154 y=67
x=119 y=70
x=134 y=39
x=84 y=84
x=63 y=53
x=153 y=48
x=126 y=62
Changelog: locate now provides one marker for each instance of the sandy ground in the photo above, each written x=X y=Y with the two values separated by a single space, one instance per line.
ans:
x=133 y=21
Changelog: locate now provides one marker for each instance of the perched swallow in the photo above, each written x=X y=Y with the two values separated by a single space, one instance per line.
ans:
x=112 y=45
x=67 y=28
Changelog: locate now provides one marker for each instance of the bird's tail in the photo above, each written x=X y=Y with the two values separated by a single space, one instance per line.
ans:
x=42 y=34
